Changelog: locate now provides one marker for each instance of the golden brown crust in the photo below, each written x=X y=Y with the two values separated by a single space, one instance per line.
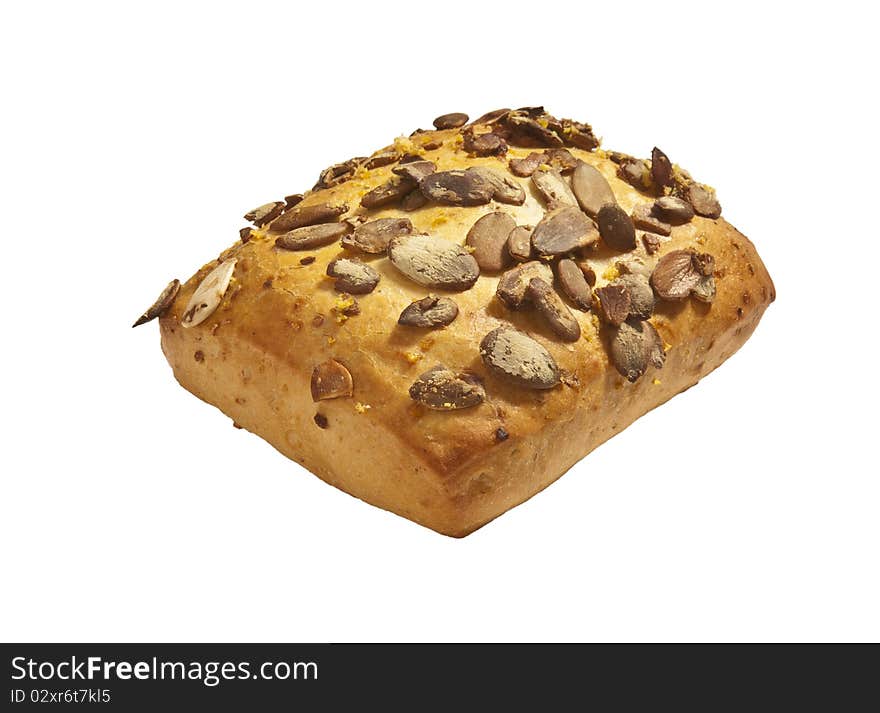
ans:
x=450 y=470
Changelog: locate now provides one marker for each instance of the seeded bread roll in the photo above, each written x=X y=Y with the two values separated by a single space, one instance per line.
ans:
x=444 y=328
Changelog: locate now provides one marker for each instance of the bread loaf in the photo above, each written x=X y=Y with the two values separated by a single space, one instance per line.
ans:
x=445 y=327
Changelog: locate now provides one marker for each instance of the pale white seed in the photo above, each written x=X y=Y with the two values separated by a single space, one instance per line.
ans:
x=208 y=294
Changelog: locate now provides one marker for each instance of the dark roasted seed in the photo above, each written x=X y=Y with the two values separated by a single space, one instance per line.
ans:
x=382 y=159
x=430 y=311
x=675 y=275
x=265 y=213
x=525 y=167
x=490 y=144
x=160 y=306
x=488 y=238
x=450 y=121
x=330 y=380
x=573 y=284
x=302 y=216
x=312 y=236
x=614 y=303
x=652 y=242
x=661 y=168
x=434 y=262
x=353 y=276
x=519 y=359
x=292 y=200
x=616 y=227
x=703 y=200
x=415 y=170
x=519 y=243
x=553 y=310
x=590 y=188
x=635 y=346
x=553 y=188
x=373 y=237
x=673 y=210
x=413 y=200
x=640 y=293
x=636 y=172
x=389 y=192
x=245 y=234
x=442 y=389
x=513 y=284
x=459 y=187
x=643 y=217
x=563 y=230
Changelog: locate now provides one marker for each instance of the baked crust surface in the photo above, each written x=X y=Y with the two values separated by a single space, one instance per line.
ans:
x=452 y=471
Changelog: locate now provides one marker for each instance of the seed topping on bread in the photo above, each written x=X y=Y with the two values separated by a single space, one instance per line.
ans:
x=160 y=306
x=442 y=389
x=544 y=267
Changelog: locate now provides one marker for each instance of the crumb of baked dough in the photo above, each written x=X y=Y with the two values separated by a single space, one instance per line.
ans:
x=361 y=408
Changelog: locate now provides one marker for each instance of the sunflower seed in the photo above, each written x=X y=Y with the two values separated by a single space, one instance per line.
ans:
x=673 y=210
x=675 y=275
x=415 y=170
x=391 y=191
x=442 y=389
x=640 y=293
x=636 y=345
x=434 y=262
x=513 y=284
x=553 y=310
x=488 y=238
x=519 y=243
x=615 y=303
x=553 y=188
x=460 y=187
x=519 y=359
x=373 y=237
x=430 y=311
x=208 y=294
x=616 y=227
x=644 y=218
x=302 y=216
x=703 y=200
x=331 y=380
x=590 y=188
x=450 y=121
x=563 y=230
x=312 y=236
x=661 y=168
x=265 y=213
x=352 y=276
x=161 y=305
x=573 y=283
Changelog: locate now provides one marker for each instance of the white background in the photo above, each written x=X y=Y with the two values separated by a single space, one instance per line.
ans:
x=134 y=139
